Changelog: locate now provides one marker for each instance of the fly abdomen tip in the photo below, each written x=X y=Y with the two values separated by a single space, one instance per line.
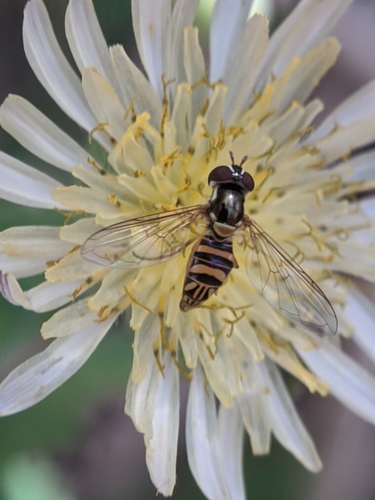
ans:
x=185 y=306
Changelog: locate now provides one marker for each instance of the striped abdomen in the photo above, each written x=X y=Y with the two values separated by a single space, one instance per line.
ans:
x=210 y=262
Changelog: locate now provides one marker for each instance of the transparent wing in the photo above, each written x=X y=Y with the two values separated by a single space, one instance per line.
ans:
x=285 y=285
x=144 y=241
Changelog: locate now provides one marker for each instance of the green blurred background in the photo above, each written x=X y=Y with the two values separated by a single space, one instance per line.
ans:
x=78 y=444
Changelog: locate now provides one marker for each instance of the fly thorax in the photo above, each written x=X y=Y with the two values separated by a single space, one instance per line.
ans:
x=227 y=205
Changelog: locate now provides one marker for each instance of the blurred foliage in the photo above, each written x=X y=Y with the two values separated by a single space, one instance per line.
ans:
x=33 y=478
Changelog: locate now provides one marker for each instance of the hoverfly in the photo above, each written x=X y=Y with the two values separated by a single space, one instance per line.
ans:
x=149 y=240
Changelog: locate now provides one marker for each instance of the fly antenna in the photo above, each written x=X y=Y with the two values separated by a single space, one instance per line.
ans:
x=231 y=157
x=243 y=161
x=233 y=162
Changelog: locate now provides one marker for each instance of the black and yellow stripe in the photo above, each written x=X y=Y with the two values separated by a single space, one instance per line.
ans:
x=210 y=262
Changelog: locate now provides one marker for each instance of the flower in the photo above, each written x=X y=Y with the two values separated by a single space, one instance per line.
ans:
x=161 y=136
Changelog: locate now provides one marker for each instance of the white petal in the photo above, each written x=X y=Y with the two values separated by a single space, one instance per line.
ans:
x=368 y=206
x=21 y=268
x=40 y=375
x=347 y=380
x=104 y=103
x=134 y=86
x=202 y=439
x=215 y=111
x=363 y=167
x=217 y=379
x=181 y=117
x=111 y=291
x=88 y=200
x=79 y=231
x=254 y=411
x=70 y=320
x=152 y=29
x=286 y=424
x=227 y=24
x=34 y=242
x=72 y=267
x=86 y=40
x=141 y=397
x=49 y=296
x=52 y=68
x=231 y=436
x=161 y=451
x=195 y=70
x=40 y=135
x=360 y=310
x=341 y=141
x=253 y=404
x=306 y=26
x=24 y=185
x=308 y=72
x=182 y=17
x=11 y=290
x=359 y=106
x=144 y=339
x=249 y=51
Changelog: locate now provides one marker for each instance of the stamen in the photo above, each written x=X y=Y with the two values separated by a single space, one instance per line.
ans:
x=101 y=128
x=134 y=301
x=70 y=215
x=93 y=163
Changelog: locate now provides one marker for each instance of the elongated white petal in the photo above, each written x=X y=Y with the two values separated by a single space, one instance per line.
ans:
x=152 y=29
x=368 y=207
x=249 y=50
x=104 y=102
x=82 y=198
x=359 y=106
x=345 y=138
x=161 y=449
x=227 y=23
x=42 y=298
x=40 y=375
x=195 y=70
x=141 y=397
x=252 y=403
x=24 y=185
x=306 y=26
x=52 y=69
x=34 y=242
x=182 y=17
x=286 y=424
x=86 y=40
x=21 y=267
x=202 y=439
x=347 y=380
x=360 y=310
x=49 y=296
x=69 y=321
x=308 y=71
x=363 y=165
x=231 y=436
x=40 y=135
x=134 y=86
x=70 y=268
x=216 y=378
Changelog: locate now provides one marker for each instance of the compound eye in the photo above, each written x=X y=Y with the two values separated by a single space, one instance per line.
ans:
x=247 y=182
x=220 y=174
